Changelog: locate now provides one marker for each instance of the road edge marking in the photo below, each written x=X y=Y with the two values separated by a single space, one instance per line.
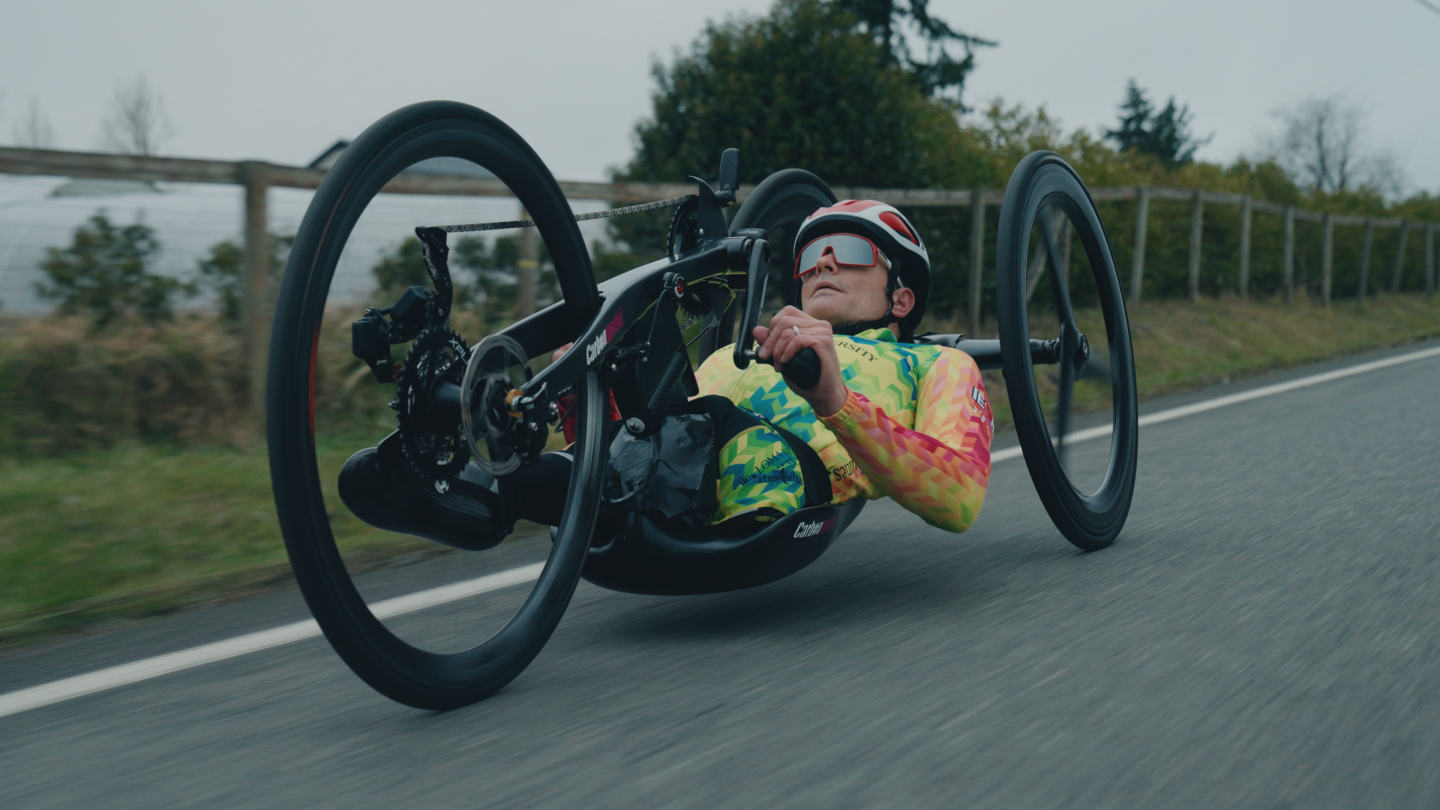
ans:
x=46 y=694
x=1235 y=399
x=111 y=677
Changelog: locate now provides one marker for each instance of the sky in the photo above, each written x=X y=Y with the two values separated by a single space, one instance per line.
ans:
x=280 y=81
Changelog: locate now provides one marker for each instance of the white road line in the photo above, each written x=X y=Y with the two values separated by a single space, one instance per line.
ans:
x=88 y=684
x=1234 y=399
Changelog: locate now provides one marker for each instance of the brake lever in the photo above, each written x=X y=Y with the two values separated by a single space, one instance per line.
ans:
x=803 y=370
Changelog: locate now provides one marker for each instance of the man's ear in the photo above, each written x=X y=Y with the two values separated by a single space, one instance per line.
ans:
x=902 y=302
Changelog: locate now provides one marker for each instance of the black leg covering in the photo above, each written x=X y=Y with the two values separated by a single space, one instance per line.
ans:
x=389 y=496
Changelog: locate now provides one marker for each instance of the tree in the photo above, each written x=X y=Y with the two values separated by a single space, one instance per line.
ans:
x=1323 y=144
x=104 y=274
x=222 y=271
x=943 y=73
x=35 y=132
x=1165 y=135
x=136 y=123
x=803 y=86
x=811 y=84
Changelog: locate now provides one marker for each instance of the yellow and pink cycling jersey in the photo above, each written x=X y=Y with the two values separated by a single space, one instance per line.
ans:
x=916 y=427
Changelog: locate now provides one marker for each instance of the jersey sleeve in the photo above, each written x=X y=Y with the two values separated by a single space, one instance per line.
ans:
x=940 y=468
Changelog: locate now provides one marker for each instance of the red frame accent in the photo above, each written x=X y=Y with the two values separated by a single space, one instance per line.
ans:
x=875 y=253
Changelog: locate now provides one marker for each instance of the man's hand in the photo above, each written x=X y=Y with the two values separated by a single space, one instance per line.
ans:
x=781 y=341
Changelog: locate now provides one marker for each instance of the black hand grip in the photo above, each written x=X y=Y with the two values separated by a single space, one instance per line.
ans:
x=803 y=370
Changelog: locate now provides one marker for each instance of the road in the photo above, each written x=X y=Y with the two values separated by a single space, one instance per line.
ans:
x=1266 y=633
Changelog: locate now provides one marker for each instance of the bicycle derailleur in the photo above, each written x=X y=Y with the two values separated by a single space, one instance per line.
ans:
x=427 y=381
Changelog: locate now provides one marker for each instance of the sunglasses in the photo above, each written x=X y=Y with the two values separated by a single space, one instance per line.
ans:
x=849 y=251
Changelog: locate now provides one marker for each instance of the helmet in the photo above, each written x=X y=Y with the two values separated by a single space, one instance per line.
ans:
x=890 y=231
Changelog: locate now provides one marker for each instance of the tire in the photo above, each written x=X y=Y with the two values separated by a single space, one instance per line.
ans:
x=393 y=666
x=1090 y=521
x=785 y=197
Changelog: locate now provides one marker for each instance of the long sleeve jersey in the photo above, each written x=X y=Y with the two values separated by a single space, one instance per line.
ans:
x=916 y=425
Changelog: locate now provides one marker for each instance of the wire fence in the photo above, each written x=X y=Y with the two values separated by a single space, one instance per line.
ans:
x=1167 y=242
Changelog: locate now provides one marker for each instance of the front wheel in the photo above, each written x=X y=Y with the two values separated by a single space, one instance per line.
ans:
x=451 y=646
x=1046 y=209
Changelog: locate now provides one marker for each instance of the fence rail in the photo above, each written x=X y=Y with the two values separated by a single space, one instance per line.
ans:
x=257 y=177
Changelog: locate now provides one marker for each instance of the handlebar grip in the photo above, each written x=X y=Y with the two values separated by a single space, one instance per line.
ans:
x=803 y=370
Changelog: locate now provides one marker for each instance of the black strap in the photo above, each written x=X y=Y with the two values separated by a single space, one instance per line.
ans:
x=812 y=470
x=730 y=419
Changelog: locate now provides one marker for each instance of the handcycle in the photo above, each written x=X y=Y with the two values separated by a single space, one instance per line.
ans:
x=462 y=409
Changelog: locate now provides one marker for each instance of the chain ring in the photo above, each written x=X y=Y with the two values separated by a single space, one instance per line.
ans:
x=437 y=355
x=684 y=232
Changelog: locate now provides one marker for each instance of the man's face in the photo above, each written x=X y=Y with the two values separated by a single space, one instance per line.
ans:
x=844 y=294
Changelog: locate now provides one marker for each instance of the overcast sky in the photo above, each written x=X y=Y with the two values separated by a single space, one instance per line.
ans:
x=281 y=80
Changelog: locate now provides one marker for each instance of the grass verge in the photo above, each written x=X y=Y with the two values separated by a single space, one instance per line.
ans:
x=105 y=537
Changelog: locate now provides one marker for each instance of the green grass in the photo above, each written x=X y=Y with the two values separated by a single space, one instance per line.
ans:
x=135 y=530
x=111 y=536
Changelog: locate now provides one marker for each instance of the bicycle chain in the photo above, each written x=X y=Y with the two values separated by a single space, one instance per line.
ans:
x=606 y=214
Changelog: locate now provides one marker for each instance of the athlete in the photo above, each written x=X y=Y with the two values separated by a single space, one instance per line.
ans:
x=887 y=417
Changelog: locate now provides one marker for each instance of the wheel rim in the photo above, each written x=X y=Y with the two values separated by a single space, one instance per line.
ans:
x=1086 y=490
x=408 y=665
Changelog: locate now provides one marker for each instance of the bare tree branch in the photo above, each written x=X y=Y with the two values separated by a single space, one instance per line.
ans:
x=35 y=132
x=1323 y=143
x=136 y=123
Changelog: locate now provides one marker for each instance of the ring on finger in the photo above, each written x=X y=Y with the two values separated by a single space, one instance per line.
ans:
x=795 y=329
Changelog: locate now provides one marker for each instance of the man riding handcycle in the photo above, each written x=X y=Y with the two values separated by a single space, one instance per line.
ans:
x=886 y=417
x=686 y=469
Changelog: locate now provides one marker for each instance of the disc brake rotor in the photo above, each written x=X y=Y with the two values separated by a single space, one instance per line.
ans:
x=489 y=428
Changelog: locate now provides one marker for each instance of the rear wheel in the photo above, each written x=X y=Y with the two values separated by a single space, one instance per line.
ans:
x=1046 y=209
x=465 y=640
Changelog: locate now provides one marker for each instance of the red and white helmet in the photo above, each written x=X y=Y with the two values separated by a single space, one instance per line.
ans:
x=889 y=230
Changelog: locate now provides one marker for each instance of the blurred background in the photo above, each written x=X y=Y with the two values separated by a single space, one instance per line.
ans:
x=1270 y=184
x=1266 y=172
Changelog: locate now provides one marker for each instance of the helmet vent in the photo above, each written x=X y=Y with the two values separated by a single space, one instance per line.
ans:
x=893 y=220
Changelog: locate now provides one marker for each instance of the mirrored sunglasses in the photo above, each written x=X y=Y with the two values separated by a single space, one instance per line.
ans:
x=849 y=251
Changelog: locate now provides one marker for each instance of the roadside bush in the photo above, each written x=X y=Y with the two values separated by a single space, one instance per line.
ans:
x=103 y=275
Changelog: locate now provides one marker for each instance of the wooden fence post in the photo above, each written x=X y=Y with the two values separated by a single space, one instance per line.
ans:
x=1400 y=256
x=1327 y=260
x=527 y=275
x=1288 y=258
x=1430 y=259
x=977 y=256
x=1197 y=217
x=1365 y=258
x=255 y=303
x=1246 y=210
x=1142 y=217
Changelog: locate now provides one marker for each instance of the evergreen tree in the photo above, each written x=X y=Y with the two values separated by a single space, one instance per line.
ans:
x=827 y=86
x=1165 y=135
x=941 y=74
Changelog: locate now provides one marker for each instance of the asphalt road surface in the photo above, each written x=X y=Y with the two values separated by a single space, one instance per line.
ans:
x=1266 y=633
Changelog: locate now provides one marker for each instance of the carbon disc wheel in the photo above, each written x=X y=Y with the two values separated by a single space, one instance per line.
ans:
x=1086 y=491
x=428 y=654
